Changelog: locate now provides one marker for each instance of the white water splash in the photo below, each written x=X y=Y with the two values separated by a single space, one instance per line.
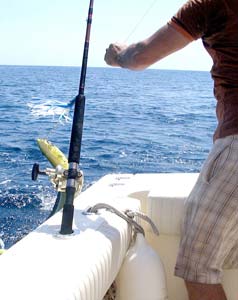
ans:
x=53 y=108
x=47 y=195
x=5 y=181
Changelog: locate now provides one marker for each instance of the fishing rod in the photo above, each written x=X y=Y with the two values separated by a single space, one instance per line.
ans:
x=66 y=177
x=76 y=137
x=76 y=133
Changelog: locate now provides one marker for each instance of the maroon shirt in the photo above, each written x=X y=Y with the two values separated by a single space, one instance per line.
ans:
x=216 y=23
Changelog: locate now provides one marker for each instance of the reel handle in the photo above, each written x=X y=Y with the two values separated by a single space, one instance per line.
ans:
x=36 y=171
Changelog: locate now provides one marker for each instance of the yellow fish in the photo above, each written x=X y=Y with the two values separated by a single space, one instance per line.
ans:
x=52 y=153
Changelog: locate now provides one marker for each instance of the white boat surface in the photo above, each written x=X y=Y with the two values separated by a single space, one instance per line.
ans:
x=50 y=266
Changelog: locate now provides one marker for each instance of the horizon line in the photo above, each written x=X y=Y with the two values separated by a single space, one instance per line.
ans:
x=101 y=67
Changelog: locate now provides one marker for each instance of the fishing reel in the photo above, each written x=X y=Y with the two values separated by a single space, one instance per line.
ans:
x=58 y=177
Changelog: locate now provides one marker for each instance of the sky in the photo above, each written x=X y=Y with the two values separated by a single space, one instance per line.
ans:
x=51 y=32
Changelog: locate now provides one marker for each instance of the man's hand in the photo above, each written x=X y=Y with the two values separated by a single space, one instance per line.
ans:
x=112 y=56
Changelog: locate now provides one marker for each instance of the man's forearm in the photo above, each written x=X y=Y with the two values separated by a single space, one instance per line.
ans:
x=143 y=54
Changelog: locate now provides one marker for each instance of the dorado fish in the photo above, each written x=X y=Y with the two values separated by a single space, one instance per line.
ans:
x=52 y=153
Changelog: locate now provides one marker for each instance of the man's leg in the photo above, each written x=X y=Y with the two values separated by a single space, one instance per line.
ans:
x=201 y=291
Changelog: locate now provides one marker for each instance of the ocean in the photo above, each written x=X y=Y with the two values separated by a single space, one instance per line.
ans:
x=135 y=122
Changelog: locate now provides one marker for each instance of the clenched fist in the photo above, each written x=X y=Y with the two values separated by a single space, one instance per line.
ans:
x=113 y=54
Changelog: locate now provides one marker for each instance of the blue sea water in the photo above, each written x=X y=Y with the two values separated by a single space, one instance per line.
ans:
x=135 y=122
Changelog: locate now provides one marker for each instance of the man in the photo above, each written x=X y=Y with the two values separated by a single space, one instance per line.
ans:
x=209 y=238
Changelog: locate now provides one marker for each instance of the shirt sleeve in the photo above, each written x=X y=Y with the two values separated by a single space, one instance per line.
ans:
x=191 y=19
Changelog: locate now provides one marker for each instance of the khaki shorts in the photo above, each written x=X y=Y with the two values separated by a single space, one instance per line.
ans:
x=209 y=241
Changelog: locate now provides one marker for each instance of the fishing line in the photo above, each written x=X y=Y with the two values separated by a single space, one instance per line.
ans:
x=140 y=20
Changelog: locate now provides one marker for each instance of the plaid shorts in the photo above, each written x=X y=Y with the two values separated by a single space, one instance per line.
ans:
x=209 y=240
